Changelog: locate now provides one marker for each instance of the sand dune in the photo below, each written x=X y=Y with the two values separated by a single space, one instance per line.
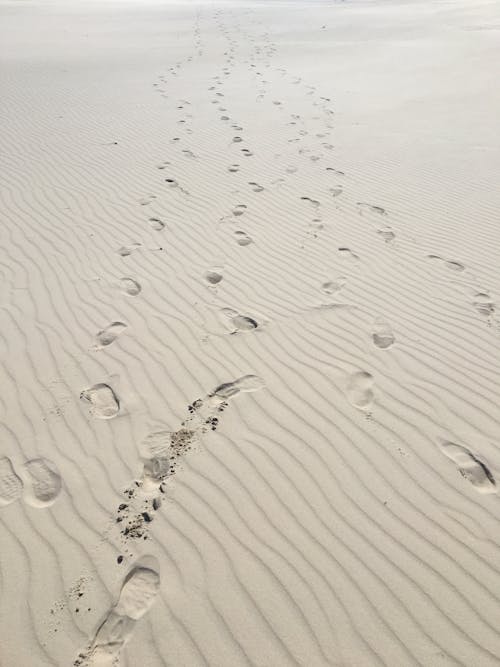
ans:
x=249 y=343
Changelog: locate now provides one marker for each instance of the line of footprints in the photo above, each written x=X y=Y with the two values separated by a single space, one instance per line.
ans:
x=162 y=451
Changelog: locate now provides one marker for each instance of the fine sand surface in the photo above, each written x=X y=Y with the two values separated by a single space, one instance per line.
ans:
x=250 y=367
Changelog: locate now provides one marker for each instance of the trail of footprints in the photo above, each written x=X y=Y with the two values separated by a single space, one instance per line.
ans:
x=38 y=481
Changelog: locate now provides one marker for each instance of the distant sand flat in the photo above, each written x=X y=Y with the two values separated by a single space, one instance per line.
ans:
x=250 y=288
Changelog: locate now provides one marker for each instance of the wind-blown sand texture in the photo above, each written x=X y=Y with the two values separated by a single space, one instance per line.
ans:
x=250 y=340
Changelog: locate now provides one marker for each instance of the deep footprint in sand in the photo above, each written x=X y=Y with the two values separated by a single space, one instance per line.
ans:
x=130 y=286
x=43 y=483
x=103 y=401
x=242 y=238
x=359 y=389
x=11 y=485
x=470 y=467
x=109 y=334
x=138 y=593
x=382 y=334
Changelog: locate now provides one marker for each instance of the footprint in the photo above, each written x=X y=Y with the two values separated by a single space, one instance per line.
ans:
x=256 y=187
x=239 y=209
x=449 y=263
x=103 y=401
x=213 y=277
x=110 y=334
x=138 y=593
x=244 y=323
x=360 y=390
x=335 y=171
x=145 y=201
x=387 y=234
x=130 y=286
x=44 y=482
x=246 y=152
x=332 y=286
x=335 y=192
x=483 y=304
x=11 y=485
x=247 y=383
x=374 y=209
x=470 y=467
x=156 y=224
x=314 y=202
x=155 y=451
x=237 y=140
x=454 y=266
x=242 y=238
x=127 y=250
x=382 y=335
x=347 y=252
x=234 y=168
x=317 y=224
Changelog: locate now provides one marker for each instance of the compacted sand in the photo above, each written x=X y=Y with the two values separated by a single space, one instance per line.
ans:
x=249 y=342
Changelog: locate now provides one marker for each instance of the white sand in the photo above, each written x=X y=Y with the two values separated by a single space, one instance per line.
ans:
x=340 y=284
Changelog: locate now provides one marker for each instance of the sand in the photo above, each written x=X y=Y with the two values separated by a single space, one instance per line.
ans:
x=249 y=343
